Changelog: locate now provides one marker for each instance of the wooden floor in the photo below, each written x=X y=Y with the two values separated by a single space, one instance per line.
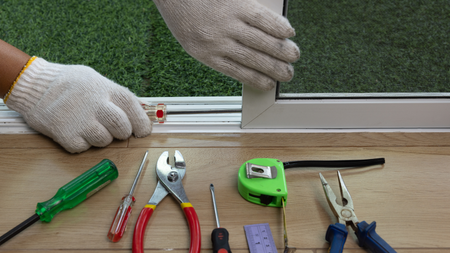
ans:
x=408 y=197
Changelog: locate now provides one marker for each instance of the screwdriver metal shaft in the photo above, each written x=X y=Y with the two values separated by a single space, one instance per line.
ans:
x=219 y=235
x=119 y=223
x=138 y=174
x=211 y=187
x=19 y=228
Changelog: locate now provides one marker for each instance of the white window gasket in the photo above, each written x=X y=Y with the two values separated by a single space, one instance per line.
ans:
x=12 y=122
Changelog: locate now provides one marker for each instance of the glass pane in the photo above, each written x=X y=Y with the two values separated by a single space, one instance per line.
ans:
x=362 y=46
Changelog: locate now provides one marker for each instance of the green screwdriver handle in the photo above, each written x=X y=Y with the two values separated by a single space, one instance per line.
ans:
x=78 y=190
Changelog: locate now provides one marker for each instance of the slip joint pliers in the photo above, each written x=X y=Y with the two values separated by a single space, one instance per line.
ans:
x=169 y=181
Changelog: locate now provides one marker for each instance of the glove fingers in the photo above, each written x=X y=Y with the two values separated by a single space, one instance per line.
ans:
x=73 y=144
x=269 y=21
x=97 y=135
x=115 y=121
x=279 y=70
x=282 y=49
x=128 y=102
x=112 y=122
x=93 y=135
x=244 y=74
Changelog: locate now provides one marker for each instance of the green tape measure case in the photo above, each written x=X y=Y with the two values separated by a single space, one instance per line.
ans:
x=262 y=181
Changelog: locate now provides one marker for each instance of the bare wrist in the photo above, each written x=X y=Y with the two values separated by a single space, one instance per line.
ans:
x=13 y=61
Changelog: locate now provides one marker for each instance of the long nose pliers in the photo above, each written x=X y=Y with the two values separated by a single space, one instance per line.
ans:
x=169 y=181
x=337 y=233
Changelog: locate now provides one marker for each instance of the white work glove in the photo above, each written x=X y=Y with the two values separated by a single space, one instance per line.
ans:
x=76 y=106
x=240 y=38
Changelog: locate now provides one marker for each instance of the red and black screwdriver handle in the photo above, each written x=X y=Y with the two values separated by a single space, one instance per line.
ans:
x=219 y=238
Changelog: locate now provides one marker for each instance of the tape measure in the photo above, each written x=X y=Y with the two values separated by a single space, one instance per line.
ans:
x=259 y=238
x=262 y=181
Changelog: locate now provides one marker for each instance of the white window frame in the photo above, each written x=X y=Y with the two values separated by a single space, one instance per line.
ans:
x=394 y=112
x=12 y=122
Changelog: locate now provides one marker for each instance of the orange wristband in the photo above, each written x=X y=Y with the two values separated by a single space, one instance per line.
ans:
x=18 y=77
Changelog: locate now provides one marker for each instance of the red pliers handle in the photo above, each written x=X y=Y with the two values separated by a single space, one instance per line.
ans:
x=139 y=229
x=144 y=217
x=194 y=227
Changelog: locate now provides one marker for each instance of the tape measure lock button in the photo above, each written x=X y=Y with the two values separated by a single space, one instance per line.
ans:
x=264 y=199
x=262 y=181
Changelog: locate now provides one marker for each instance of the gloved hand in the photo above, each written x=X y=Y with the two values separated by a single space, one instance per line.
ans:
x=240 y=38
x=76 y=106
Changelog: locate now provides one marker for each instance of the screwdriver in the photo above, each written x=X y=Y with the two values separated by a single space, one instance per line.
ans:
x=219 y=235
x=119 y=224
x=69 y=195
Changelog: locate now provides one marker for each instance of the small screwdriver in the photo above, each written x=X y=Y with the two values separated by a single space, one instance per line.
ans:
x=69 y=195
x=119 y=224
x=219 y=235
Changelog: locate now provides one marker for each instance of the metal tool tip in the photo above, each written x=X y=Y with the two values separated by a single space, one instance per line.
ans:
x=340 y=177
x=211 y=186
x=322 y=179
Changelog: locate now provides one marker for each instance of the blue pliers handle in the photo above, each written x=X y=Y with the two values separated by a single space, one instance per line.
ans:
x=368 y=238
x=337 y=233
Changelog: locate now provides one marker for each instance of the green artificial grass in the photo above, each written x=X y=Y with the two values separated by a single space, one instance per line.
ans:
x=371 y=46
x=126 y=41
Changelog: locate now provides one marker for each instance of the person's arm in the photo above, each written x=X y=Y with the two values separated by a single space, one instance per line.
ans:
x=12 y=60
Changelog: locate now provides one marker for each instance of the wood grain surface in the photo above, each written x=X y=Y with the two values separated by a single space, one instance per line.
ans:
x=407 y=196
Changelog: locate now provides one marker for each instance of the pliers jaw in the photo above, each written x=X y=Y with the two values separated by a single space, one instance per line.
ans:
x=170 y=177
x=161 y=192
x=345 y=213
x=179 y=161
